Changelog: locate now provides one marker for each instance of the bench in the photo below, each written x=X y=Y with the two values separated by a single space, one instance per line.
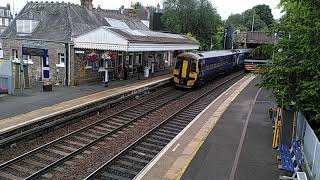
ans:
x=291 y=159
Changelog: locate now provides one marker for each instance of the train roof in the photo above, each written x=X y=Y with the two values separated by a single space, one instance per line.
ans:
x=218 y=53
x=244 y=50
x=209 y=54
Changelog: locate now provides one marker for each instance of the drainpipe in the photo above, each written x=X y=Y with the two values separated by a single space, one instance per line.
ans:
x=67 y=64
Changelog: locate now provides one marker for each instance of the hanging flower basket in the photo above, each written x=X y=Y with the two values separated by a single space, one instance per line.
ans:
x=92 y=57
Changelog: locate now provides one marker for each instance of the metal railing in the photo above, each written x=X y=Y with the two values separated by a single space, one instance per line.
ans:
x=310 y=146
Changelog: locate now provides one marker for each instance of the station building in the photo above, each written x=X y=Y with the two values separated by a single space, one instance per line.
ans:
x=73 y=44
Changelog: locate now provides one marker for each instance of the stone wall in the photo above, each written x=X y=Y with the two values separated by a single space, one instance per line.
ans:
x=80 y=73
x=36 y=68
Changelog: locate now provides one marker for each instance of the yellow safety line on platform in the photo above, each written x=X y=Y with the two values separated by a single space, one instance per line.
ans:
x=216 y=117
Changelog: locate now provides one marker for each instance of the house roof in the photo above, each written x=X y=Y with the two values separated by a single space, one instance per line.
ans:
x=142 y=14
x=66 y=22
x=62 y=21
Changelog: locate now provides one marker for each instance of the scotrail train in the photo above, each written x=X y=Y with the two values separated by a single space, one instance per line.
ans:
x=194 y=69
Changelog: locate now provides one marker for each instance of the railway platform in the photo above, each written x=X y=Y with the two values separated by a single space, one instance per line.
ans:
x=231 y=139
x=20 y=112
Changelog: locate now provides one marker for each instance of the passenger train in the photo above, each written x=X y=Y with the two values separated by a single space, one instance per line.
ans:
x=193 y=69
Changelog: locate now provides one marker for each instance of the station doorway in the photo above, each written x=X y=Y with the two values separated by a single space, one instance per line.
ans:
x=45 y=69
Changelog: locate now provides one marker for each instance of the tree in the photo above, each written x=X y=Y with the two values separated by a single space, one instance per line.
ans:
x=294 y=75
x=248 y=20
x=236 y=21
x=136 y=5
x=197 y=17
x=263 y=19
x=264 y=13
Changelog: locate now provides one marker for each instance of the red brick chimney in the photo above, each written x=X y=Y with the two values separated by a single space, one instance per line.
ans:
x=87 y=4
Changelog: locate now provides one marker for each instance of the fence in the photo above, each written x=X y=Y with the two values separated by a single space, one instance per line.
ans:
x=310 y=146
x=6 y=76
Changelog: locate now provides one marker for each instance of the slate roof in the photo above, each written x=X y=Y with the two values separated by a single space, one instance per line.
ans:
x=142 y=14
x=62 y=21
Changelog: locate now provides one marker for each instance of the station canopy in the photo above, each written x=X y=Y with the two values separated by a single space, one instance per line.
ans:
x=119 y=37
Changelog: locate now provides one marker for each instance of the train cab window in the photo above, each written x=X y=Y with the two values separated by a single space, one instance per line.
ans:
x=193 y=67
x=178 y=64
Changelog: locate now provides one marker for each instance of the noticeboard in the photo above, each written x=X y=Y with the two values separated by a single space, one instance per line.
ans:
x=33 y=51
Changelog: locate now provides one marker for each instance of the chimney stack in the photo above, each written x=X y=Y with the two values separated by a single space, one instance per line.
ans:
x=87 y=4
x=122 y=9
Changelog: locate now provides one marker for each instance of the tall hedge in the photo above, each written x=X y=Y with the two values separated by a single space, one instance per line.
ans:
x=294 y=75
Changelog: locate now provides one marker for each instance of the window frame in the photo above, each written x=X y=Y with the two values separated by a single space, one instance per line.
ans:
x=6 y=22
x=26 y=26
x=62 y=56
x=15 y=55
x=1 y=12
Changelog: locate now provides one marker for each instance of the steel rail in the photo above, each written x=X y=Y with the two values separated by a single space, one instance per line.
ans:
x=60 y=161
x=155 y=128
x=25 y=155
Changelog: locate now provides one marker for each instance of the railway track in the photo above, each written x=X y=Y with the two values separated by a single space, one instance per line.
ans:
x=128 y=163
x=37 y=162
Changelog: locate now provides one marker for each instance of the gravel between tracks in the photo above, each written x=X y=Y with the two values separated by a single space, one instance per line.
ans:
x=89 y=162
x=23 y=147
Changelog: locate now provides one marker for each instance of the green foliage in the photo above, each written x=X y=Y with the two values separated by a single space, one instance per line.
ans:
x=294 y=75
x=236 y=21
x=264 y=13
x=263 y=52
x=195 y=16
x=192 y=38
x=248 y=19
x=136 y=5
x=263 y=18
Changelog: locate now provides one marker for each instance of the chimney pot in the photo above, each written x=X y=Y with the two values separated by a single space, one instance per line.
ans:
x=87 y=4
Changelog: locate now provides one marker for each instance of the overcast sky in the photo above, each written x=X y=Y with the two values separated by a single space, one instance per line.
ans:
x=224 y=7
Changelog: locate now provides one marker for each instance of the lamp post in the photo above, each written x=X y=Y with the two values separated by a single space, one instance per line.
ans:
x=225 y=37
x=211 y=45
x=254 y=11
x=236 y=31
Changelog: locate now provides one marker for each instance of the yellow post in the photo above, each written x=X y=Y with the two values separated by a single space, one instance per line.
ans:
x=275 y=142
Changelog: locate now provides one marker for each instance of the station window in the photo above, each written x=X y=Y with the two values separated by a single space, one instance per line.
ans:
x=14 y=54
x=120 y=59
x=140 y=59
x=61 y=58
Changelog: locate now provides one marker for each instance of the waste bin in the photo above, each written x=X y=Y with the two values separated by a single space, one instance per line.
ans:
x=46 y=86
x=146 y=72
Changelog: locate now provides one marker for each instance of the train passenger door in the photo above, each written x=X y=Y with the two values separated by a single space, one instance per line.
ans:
x=185 y=65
